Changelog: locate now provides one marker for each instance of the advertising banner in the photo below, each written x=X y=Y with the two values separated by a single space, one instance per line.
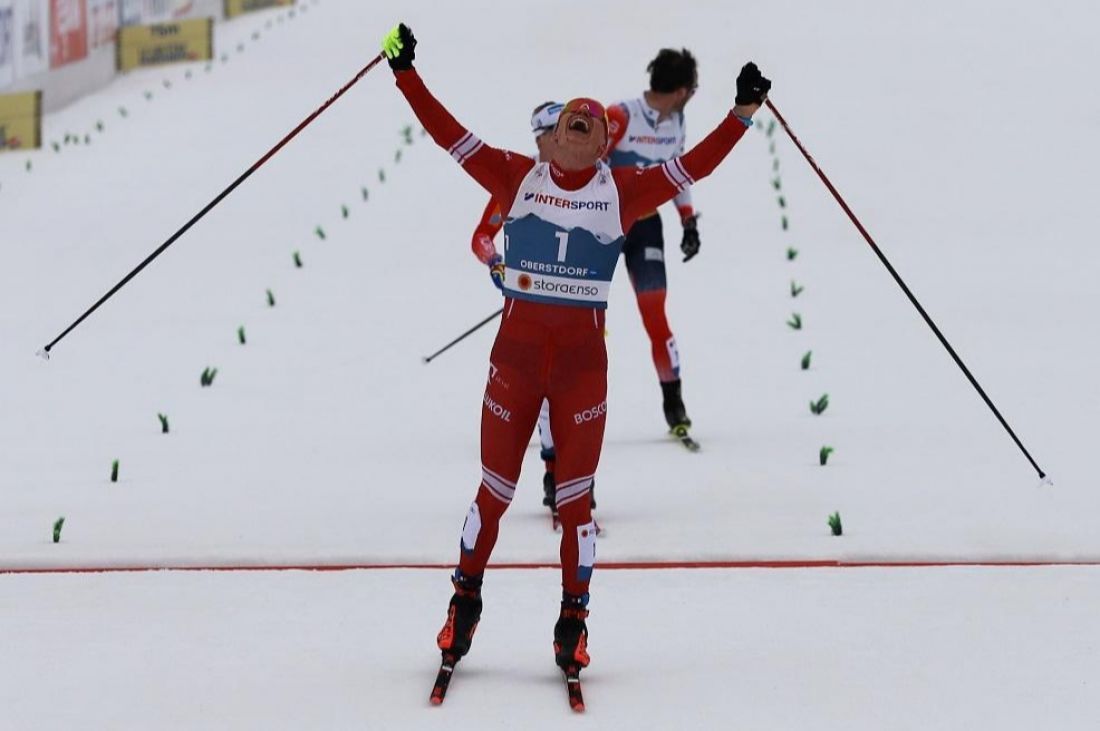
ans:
x=139 y=12
x=102 y=22
x=7 y=43
x=68 y=32
x=32 y=37
x=151 y=45
x=234 y=8
x=20 y=121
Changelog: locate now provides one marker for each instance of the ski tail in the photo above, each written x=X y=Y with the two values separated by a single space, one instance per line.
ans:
x=443 y=679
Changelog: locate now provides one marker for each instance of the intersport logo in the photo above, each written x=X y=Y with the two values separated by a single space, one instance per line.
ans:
x=652 y=140
x=543 y=199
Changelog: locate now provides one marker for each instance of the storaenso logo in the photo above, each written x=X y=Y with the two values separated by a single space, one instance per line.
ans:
x=547 y=287
x=496 y=409
x=590 y=414
x=552 y=200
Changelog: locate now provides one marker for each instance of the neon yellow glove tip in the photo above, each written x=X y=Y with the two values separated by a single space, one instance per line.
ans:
x=392 y=43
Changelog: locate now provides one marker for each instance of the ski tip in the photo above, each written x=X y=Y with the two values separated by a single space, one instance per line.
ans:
x=436 y=700
x=577 y=707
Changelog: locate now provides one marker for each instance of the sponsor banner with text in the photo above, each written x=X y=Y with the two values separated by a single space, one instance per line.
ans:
x=32 y=37
x=20 y=121
x=68 y=32
x=102 y=22
x=7 y=43
x=144 y=12
x=160 y=43
x=234 y=8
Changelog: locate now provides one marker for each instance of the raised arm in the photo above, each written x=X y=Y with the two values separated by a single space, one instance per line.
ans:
x=643 y=190
x=498 y=171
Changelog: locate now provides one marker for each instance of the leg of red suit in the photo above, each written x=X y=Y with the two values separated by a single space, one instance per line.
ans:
x=578 y=414
x=662 y=344
x=509 y=411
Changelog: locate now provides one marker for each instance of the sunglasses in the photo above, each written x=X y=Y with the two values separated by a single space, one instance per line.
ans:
x=583 y=105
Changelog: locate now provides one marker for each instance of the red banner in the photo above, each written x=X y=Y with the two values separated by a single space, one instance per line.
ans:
x=68 y=31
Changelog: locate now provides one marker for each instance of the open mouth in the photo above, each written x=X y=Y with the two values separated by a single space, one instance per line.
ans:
x=580 y=124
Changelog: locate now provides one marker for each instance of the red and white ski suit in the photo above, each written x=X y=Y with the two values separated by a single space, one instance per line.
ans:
x=550 y=350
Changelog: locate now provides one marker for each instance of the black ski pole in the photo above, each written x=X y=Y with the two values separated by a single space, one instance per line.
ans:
x=904 y=288
x=45 y=352
x=463 y=336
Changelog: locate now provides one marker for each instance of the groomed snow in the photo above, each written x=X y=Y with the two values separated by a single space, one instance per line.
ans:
x=964 y=135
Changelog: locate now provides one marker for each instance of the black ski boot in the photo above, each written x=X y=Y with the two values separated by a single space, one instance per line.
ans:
x=571 y=634
x=549 y=491
x=463 y=614
x=675 y=413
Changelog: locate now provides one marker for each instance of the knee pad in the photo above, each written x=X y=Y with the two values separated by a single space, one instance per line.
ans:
x=470 y=529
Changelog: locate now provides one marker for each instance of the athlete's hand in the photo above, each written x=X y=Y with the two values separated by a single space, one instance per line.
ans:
x=496 y=271
x=482 y=246
x=399 y=47
x=752 y=88
x=690 y=243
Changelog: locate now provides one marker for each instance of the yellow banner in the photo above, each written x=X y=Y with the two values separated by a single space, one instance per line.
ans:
x=234 y=8
x=20 y=121
x=151 y=45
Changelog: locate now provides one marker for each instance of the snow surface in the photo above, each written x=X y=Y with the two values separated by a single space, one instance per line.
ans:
x=964 y=135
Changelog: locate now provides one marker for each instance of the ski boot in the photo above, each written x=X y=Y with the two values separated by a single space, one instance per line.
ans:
x=571 y=634
x=675 y=413
x=463 y=614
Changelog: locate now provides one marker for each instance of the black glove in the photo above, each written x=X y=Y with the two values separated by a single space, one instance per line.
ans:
x=690 y=243
x=399 y=48
x=752 y=87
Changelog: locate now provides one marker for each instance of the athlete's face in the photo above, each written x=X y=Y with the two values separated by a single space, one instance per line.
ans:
x=581 y=134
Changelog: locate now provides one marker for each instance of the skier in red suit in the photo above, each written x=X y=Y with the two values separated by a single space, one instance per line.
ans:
x=565 y=223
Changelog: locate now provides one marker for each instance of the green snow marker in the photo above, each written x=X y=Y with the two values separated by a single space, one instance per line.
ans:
x=397 y=156
x=240 y=335
x=786 y=224
x=782 y=202
x=818 y=407
x=270 y=298
x=795 y=323
x=381 y=175
x=365 y=192
x=796 y=289
x=114 y=471
x=791 y=253
x=835 y=525
x=320 y=233
x=297 y=260
x=823 y=455
x=163 y=423
x=806 y=360
x=57 y=526
x=344 y=211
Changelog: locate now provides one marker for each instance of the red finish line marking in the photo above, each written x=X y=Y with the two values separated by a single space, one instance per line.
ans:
x=609 y=566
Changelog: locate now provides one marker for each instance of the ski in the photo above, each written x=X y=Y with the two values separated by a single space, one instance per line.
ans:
x=573 y=688
x=443 y=679
x=680 y=431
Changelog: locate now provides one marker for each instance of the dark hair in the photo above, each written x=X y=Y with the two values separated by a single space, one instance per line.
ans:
x=672 y=70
